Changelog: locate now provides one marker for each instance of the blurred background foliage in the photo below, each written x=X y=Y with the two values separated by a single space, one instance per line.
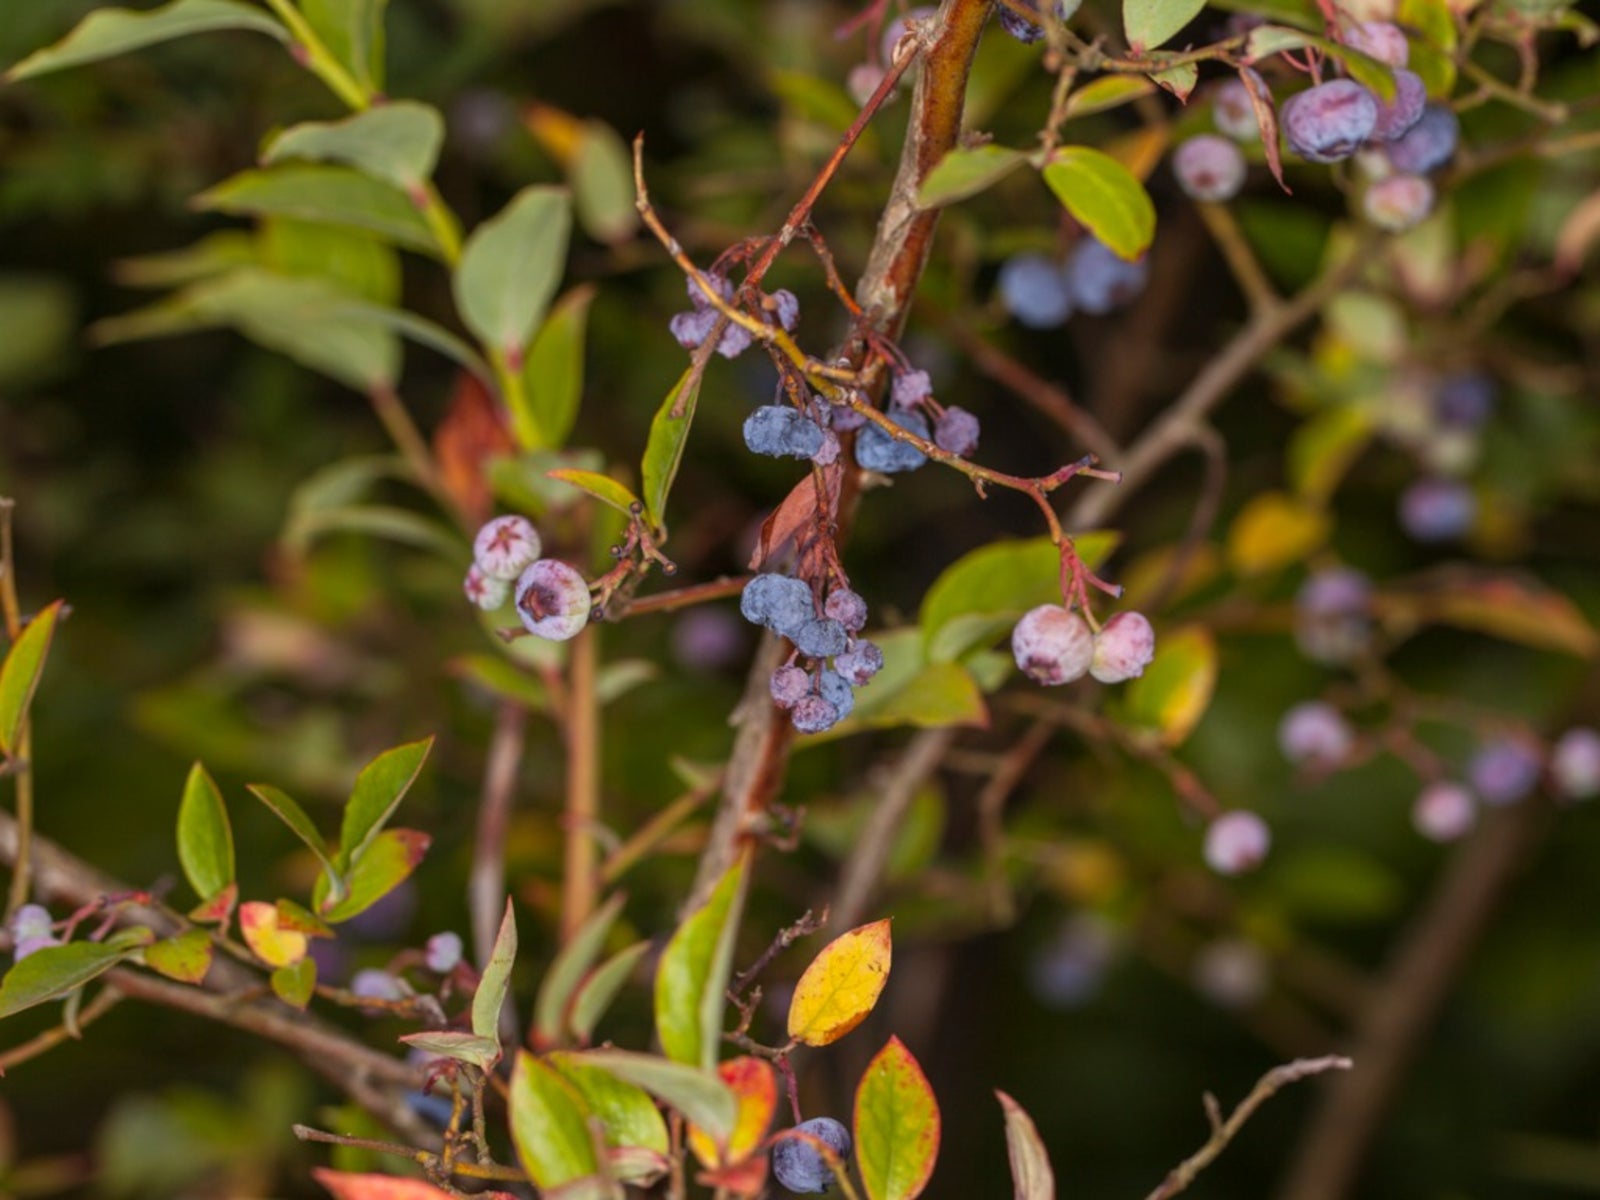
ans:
x=154 y=481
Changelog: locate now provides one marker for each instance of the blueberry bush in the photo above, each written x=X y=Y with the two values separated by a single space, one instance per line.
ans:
x=1088 y=505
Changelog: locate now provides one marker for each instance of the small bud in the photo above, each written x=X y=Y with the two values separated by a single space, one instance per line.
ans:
x=789 y=686
x=1315 y=734
x=373 y=984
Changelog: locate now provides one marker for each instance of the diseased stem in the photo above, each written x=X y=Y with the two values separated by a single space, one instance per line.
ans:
x=580 y=881
x=486 y=883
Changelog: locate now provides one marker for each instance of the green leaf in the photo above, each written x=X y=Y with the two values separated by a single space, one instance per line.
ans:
x=1179 y=80
x=380 y=787
x=502 y=679
x=597 y=991
x=1267 y=40
x=693 y=975
x=602 y=487
x=625 y=1111
x=291 y=814
x=602 y=184
x=1107 y=92
x=549 y=1125
x=355 y=263
x=1433 y=55
x=552 y=378
x=112 y=31
x=1322 y=449
x=490 y=997
x=1515 y=608
x=19 y=674
x=984 y=592
x=567 y=972
x=1104 y=197
x=965 y=172
x=669 y=433
x=1031 y=1176
x=387 y=863
x=185 y=958
x=481 y=1052
x=371 y=520
x=1336 y=884
x=896 y=1125
x=205 y=838
x=295 y=983
x=510 y=267
x=396 y=143
x=331 y=194
x=1152 y=23
x=940 y=694
x=698 y=1093
x=53 y=971
x=213 y=255
x=1175 y=689
x=353 y=32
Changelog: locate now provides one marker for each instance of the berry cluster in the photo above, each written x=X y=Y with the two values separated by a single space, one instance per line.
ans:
x=694 y=326
x=552 y=599
x=820 y=697
x=1093 y=279
x=1053 y=645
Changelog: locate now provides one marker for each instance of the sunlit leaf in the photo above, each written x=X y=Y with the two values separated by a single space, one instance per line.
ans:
x=755 y=1088
x=296 y=983
x=1107 y=92
x=185 y=958
x=840 y=986
x=346 y=1185
x=602 y=487
x=490 y=997
x=111 y=31
x=277 y=947
x=352 y=30
x=336 y=195
x=627 y=1114
x=291 y=814
x=1152 y=23
x=1175 y=689
x=693 y=974
x=1104 y=197
x=1272 y=531
x=481 y=1052
x=388 y=862
x=966 y=171
x=19 y=674
x=896 y=1125
x=552 y=378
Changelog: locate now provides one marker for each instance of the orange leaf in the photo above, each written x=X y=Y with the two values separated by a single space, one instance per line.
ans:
x=841 y=985
x=273 y=945
x=473 y=431
x=755 y=1089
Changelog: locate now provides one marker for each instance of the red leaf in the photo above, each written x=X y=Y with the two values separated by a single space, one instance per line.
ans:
x=473 y=431
x=1267 y=118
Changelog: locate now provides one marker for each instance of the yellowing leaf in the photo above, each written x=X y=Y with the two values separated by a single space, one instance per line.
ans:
x=841 y=985
x=1031 y=1176
x=1272 y=531
x=1175 y=689
x=276 y=947
x=294 y=984
x=185 y=957
x=755 y=1088
x=896 y=1125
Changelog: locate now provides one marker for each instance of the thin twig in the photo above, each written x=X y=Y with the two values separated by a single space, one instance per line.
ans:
x=580 y=879
x=105 y=1000
x=486 y=882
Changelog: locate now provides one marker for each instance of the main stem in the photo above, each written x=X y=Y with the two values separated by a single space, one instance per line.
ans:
x=580 y=881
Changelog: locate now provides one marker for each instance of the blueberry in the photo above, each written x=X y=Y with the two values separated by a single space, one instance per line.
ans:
x=847 y=608
x=552 y=600
x=373 y=984
x=845 y=419
x=719 y=284
x=836 y=690
x=1396 y=116
x=779 y=431
x=956 y=431
x=1026 y=31
x=1051 y=645
x=1098 y=280
x=1437 y=510
x=1236 y=842
x=1123 y=648
x=1033 y=291
x=1329 y=121
x=1315 y=733
x=786 y=307
x=504 y=546
x=780 y=602
x=1233 y=111
x=877 y=451
x=1067 y=970
x=1381 y=40
x=1464 y=399
x=799 y=1166
x=735 y=341
x=1209 y=168
x=484 y=591
x=813 y=714
x=859 y=663
x=789 y=686
x=692 y=328
x=1396 y=203
x=442 y=952
x=828 y=453
x=1574 y=763
x=1444 y=812
x=1428 y=144
x=821 y=637
x=1504 y=771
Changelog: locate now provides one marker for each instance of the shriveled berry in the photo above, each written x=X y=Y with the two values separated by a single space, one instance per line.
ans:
x=1437 y=510
x=1315 y=734
x=813 y=714
x=1209 y=168
x=1233 y=112
x=779 y=602
x=483 y=591
x=1237 y=842
x=859 y=663
x=821 y=637
x=1504 y=770
x=552 y=600
x=1428 y=144
x=1444 y=812
x=504 y=546
x=797 y=1163
x=442 y=952
x=1123 y=648
x=836 y=690
x=1574 y=764
x=847 y=608
x=789 y=686
x=877 y=451
x=1051 y=645
x=693 y=327
x=956 y=431
x=910 y=389
x=1382 y=40
x=784 y=305
x=697 y=294
x=1329 y=121
x=1033 y=291
x=1396 y=203
x=1397 y=116
x=1099 y=280
x=781 y=431
x=828 y=453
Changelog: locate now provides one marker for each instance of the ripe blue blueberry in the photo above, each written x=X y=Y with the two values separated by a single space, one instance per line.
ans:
x=1026 y=31
x=1329 y=121
x=1067 y=970
x=821 y=637
x=1396 y=116
x=836 y=690
x=1332 y=622
x=784 y=305
x=813 y=714
x=877 y=451
x=1099 y=280
x=1396 y=203
x=1209 y=168
x=859 y=663
x=1437 y=510
x=789 y=686
x=956 y=431
x=781 y=431
x=1033 y=291
x=552 y=600
x=1464 y=399
x=1428 y=144
x=847 y=608
x=797 y=1163
x=779 y=602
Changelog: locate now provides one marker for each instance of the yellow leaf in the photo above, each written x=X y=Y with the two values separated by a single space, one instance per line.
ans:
x=273 y=945
x=841 y=985
x=1272 y=531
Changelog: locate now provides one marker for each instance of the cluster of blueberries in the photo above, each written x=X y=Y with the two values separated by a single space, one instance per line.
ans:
x=552 y=598
x=819 y=698
x=1042 y=294
x=1053 y=645
x=691 y=328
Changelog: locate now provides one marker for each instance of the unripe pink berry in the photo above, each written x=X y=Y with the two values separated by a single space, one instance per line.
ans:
x=1398 y=202
x=1052 y=645
x=1383 y=40
x=442 y=952
x=1315 y=733
x=1444 y=812
x=1236 y=842
x=1123 y=648
x=552 y=600
x=1575 y=764
x=484 y=591
x=504 y=546
x=1209 y=168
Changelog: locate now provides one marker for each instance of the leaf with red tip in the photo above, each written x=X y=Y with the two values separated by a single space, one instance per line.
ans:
x=837 y=991
x=218 y=909
x=755 y=1090
x=1031 y=1176
x=896 y=1125
x=1267 y=120
x=277 y=947
x=387 y=863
